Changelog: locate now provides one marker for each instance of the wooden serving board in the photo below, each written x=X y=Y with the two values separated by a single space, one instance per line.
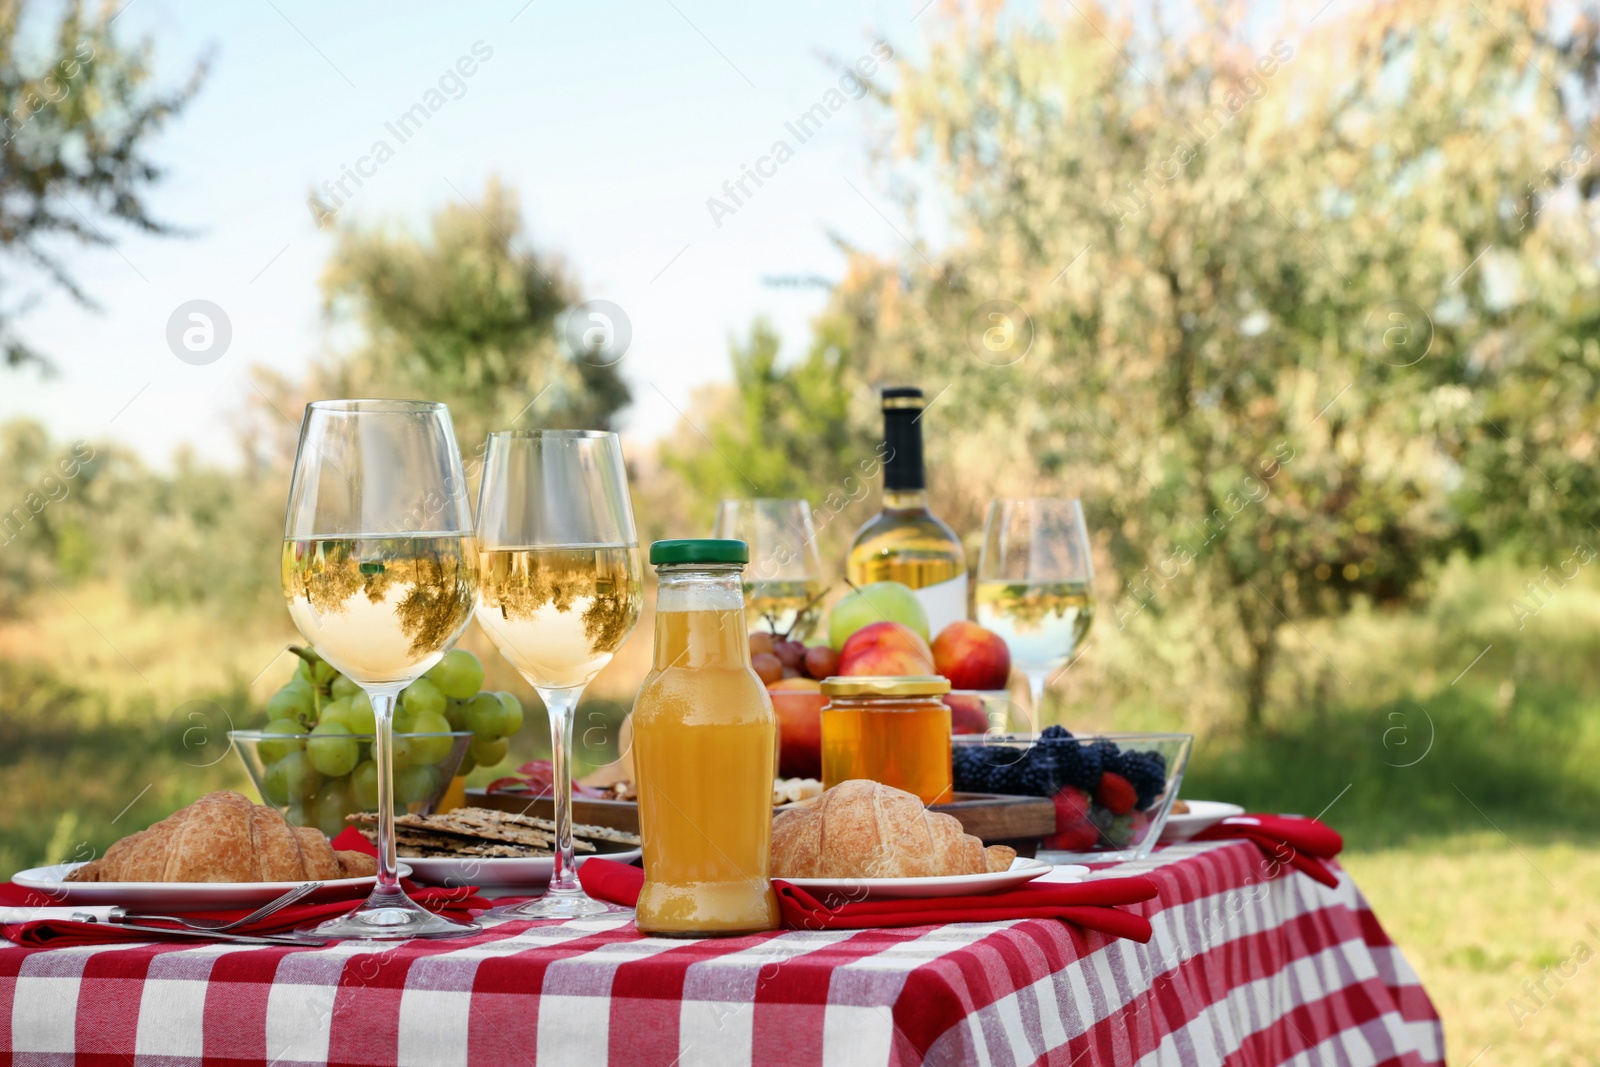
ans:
x=994 y=819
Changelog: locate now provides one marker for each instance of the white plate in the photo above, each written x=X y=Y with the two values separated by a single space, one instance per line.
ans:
x=961 y=885
x=163 y=897
x=496 y=872
x=1202 y=815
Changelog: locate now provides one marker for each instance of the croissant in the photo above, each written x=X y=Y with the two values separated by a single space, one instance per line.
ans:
x=222 y=837
x=862 y=829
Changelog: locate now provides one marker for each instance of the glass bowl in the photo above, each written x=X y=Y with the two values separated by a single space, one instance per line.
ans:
x=1112 y=792
x=286 y=773
x=985 y=711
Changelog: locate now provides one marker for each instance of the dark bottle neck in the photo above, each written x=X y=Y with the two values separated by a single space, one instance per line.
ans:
x=902 y=465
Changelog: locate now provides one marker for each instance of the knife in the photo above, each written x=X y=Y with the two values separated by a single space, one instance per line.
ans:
x=107 y=915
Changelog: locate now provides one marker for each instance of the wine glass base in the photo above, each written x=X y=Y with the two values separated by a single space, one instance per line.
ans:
x=567 y=905
x=392 y=920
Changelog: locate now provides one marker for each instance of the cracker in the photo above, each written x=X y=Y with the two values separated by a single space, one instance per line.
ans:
x=485 y=832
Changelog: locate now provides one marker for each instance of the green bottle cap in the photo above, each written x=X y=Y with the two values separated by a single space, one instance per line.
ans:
x=700 y=550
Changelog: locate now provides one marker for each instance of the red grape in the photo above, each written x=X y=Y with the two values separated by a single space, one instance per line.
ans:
x=821 y=662
x=760 y=642
x=767 y=666
x=792 y=653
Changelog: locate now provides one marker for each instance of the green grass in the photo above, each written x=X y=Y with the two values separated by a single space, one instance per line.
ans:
x=1479 y=916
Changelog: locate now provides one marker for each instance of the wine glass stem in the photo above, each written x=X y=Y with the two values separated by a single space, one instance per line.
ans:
x=1036 y=686
x=383 y=701
x=561 y=705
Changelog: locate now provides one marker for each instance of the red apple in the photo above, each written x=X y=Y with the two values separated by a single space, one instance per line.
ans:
x=885 y=648
x=798 y=704
x=967 y=715
x=972 y=657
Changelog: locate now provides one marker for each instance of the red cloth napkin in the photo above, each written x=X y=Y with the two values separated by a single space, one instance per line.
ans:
x=56 y=933
x=1089 y=904
x=1300 y=842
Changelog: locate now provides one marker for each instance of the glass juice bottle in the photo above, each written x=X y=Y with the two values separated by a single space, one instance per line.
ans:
x=704 y=750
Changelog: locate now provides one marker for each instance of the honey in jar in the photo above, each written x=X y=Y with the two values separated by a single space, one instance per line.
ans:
x=894 y=730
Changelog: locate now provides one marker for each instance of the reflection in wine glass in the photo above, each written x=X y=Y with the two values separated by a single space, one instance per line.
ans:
x=1036 y=584
x=380 y=574
x=783 y=582
x=562 y=586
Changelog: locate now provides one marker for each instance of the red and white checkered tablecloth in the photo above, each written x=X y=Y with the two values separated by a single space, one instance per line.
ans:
x=1243 y=969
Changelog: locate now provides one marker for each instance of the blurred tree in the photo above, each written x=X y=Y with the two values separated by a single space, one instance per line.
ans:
x=45 y=527
x=781 y=431
x=466 y=317
x=74 y=133
x=1280 y=307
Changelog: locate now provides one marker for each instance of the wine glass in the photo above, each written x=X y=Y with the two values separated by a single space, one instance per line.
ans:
x=561 y=589
x=380 y=573
x=1036 y=584
x=783 y=583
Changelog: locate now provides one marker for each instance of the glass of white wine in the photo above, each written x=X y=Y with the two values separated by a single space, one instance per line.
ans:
x=1036 y=584
x=380 y=573
x=783 y=582
x=561 y=589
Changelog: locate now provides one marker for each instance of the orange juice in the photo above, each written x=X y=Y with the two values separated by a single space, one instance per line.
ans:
x=704 y=751
x=890 y=730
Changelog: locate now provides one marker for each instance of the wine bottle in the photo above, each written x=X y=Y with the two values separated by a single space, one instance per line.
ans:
x=905 y=542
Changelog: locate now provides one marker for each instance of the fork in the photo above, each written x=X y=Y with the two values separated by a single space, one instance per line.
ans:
x=217 y=925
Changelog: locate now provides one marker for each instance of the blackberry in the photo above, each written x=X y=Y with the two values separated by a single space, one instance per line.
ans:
x=979 y=769
x=1077 y=765
x=967 y=768
x=1146 y=772
x=1056 y=732
x=1036 y=774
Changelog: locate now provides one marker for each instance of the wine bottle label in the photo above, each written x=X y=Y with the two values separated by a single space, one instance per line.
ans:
x=944 y=603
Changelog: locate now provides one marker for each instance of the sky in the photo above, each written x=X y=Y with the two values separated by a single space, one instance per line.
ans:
x=613 y=121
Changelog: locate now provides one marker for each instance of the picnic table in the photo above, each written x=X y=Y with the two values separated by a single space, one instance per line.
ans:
x=1249 y=963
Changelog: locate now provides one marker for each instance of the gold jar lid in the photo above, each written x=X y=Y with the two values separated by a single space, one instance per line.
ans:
x=870 y=685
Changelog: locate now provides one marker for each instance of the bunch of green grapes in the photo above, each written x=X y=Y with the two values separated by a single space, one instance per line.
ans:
x=323 y=777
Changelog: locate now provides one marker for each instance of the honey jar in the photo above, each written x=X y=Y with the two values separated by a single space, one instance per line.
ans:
x=894 y=730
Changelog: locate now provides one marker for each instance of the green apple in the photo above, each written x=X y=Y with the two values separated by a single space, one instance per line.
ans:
x=877 y=602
